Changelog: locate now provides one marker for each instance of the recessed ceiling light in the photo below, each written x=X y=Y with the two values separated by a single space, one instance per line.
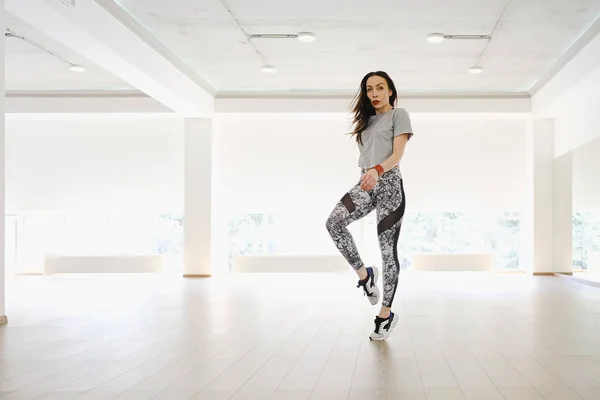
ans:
x=435 y=37
x=77 y=68
x=306 y=37
x=269 y=69
x=475 y=70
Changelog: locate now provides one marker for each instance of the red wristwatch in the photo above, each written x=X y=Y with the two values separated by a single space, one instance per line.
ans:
x=379 y=169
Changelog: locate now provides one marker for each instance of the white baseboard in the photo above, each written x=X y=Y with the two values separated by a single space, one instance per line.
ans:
x=289 y=263
x=54 y=264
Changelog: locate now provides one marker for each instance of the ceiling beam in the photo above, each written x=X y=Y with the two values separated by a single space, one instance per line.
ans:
x=83 y=103
x=111 y=39
x=579 y=61
x=415 y=103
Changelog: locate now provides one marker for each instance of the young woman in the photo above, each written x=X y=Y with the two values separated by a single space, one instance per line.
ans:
x=382 y=132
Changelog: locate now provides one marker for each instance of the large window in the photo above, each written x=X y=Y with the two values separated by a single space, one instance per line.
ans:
x=279 y=233
x=94 y=233
x=249 y=234
x=33 y=236
x=453 y=232
x=497 y=233
x=586 y=239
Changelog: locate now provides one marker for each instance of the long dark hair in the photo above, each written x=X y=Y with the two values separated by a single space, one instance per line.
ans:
x=362 y=107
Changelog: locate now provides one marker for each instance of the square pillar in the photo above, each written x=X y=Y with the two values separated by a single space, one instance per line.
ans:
x=198 y=193
x=563 y=214
x=547 y=225
x=3 y=319
x=538 y=224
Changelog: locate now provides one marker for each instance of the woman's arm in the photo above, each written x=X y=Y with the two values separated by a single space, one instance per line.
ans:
x=397 y=153
x=370 y=178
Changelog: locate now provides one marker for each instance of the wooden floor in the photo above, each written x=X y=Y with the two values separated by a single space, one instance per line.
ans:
x=592 y=278
x=287 y=337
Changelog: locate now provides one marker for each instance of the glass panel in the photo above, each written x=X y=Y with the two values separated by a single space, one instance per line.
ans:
x=424 y=232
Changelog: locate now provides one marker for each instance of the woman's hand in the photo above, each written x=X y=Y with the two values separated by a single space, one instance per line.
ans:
x=369 y=179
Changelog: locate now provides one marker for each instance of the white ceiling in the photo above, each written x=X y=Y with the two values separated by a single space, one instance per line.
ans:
x=357 y=36
x=353 y=37
x=28 y=68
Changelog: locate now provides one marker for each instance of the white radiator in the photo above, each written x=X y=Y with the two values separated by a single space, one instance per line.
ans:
x=453 y=262
x=101 y=263
x=289 y=263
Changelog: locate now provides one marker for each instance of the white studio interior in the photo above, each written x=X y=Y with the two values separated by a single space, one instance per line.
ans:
x=169 y=167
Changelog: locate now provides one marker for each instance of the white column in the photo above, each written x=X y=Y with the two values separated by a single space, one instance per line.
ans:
x=2 y=191
x=538 y=224
x=197 y=219
x=563 y=214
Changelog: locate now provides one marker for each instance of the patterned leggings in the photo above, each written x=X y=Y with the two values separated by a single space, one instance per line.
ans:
x=387 y=197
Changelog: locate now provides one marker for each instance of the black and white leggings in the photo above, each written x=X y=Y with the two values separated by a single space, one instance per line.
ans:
x=387 y=197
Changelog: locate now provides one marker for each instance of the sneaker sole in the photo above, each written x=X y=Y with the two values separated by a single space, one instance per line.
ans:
x=388 y=332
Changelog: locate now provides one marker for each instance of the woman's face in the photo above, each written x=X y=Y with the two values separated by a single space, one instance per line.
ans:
x=378 y=92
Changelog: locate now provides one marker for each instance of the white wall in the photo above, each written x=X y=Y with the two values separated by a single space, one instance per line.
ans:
x=267 y=162
x=277 y=162
x=92 y=162
x=298 y=166
x=454 y=162
x=571 y=98
x=586 y=177
x=576 y=116
x=293 y=167
x=466 y=162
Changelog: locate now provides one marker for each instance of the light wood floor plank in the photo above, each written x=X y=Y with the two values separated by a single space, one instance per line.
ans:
x=470 y=336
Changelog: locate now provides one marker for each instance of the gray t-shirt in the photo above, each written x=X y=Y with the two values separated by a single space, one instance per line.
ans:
x=378 y=137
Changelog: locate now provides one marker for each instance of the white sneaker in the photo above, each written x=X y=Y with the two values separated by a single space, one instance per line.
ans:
x=384 y=327
x=369 y=285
